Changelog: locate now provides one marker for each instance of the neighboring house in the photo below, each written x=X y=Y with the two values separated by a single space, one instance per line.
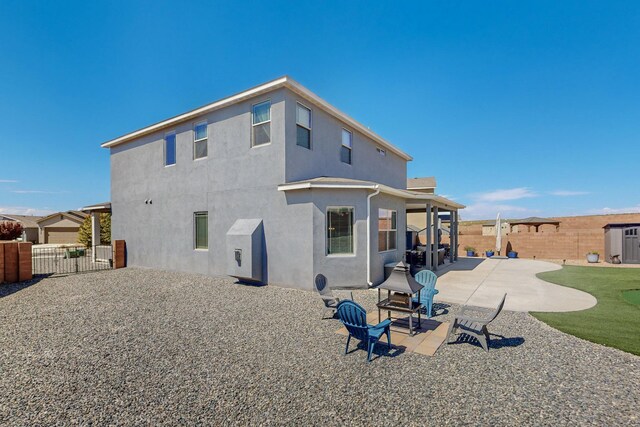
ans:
x=423 y=185
x=61 y=227
x=272 y=184
x=29 y=224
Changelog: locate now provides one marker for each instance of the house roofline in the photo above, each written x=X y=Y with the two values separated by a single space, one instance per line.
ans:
x=284 y=81
x=405 y=194
x=67 y=214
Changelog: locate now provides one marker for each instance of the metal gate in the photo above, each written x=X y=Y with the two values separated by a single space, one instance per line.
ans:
x=631 y=245
x=70 y=259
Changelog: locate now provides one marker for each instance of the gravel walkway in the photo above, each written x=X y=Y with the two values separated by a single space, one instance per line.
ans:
x=137 y=346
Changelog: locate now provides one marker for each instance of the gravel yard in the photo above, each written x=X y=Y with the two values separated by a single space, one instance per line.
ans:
x=137 y=346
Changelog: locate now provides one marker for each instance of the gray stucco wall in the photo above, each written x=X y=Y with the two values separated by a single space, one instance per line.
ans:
x=234 y=181
x=379 y=259
x=323 y=159
x=237 y=181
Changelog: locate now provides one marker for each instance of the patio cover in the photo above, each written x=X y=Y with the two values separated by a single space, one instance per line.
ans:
x=415 y=199
x=100 y=207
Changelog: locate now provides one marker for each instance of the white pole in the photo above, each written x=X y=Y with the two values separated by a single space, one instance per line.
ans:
x=95 y=234
x=377 y=187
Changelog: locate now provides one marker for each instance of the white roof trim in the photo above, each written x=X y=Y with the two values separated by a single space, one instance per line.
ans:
x=266 y=87
x=407 y=195
x=94 y=207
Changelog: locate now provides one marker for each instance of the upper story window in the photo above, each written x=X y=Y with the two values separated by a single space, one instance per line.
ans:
x=170 y=149
x=347 y=146
x=387 y=230
x=200 y=140
x=261 y=123
x=381 y=151
x=339 y=230
x=303 y=126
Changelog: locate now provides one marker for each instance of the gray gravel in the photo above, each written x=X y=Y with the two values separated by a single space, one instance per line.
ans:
x=137 y=346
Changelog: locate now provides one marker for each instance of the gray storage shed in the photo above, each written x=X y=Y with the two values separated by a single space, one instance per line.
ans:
x=622 y=243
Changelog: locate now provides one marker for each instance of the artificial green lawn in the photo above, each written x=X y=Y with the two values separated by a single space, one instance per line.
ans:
x=614 y=321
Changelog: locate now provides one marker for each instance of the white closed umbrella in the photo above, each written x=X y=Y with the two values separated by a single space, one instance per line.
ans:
x=498 y=235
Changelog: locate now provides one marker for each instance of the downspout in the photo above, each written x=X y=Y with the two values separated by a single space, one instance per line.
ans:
x=375 y=193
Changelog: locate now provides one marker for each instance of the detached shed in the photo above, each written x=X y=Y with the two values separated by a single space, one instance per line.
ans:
x=622 y=242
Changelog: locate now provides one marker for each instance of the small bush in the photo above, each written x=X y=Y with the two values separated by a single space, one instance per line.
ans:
x=10 y=230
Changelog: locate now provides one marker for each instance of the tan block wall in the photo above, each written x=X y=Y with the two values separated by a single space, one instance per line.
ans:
x=576 y=237
x=1 y=262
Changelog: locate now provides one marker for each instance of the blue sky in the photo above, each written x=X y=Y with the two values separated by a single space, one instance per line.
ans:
x=530 y=108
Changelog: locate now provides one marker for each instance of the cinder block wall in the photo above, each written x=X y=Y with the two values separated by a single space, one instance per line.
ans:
x=15 y=262
x=575 y=238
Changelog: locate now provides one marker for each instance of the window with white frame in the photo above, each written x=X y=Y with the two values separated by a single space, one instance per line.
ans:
x=339 y=230
x=347 y=146
x=387 y=232
x=200 y=138
x=170 y=149
x=201 y=230
x=303 y=126
x=261 y=123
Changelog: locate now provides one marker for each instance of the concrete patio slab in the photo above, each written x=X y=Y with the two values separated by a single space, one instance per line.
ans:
x=482 y=282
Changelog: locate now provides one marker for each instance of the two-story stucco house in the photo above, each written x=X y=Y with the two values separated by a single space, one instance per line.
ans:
x=272 y=184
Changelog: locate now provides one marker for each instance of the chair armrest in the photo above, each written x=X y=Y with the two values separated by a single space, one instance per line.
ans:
x=342 y=294
x=472 y=319
x=330 y=301
x=430 y=292
x=470 y=308
x=384 y=324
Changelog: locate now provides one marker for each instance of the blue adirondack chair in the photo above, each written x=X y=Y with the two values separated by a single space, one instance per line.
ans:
x=354 y=318
x=427 y=278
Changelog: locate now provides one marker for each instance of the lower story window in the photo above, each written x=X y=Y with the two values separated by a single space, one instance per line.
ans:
x=387 y=230
x=201 y=226
x=340 y=230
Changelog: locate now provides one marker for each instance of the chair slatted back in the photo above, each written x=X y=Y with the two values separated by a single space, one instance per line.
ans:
x=321 y=286
x=354 y=318
x=498 y=309
x=428 y=279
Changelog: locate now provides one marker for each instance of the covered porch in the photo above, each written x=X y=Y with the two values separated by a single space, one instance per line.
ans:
x=427 y=220
x=95 y=211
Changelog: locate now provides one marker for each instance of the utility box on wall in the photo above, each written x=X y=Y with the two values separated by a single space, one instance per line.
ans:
x=245 y=250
